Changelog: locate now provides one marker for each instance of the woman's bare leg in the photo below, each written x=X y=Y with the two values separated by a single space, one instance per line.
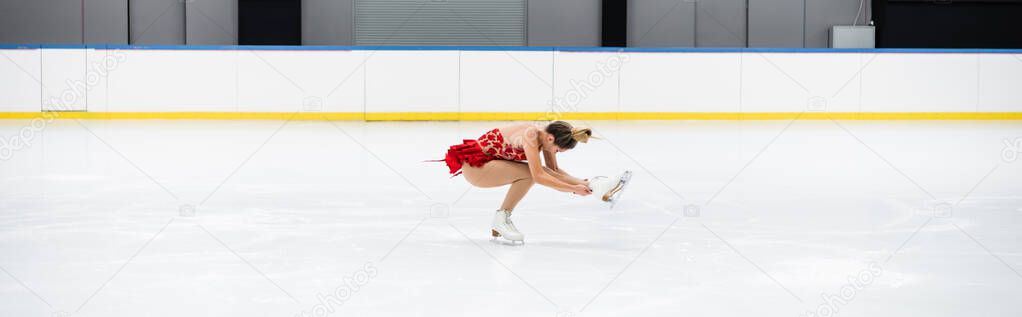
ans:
x=499 y=173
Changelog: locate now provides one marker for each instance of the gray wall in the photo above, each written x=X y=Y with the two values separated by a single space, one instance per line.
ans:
x=564 y=22
x=721 y=23
x=727 y=23
x=327 y=22
x=776 y=23
x=657 y=23
x=212 y=22
x=560 y=22
x=106 y=21
x=40 y=21
x=198 y=22
x=651 y=23
x=157 y=22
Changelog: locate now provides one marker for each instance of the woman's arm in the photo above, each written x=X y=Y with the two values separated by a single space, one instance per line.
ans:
x=551 y=161
x=551 y=164
x=540 y=174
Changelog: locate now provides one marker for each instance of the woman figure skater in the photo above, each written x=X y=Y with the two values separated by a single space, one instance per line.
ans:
x=511 y=155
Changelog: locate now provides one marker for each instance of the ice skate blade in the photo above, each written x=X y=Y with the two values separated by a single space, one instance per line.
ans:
x=502 y=241
x=609 y=196
x=497 y=238
x=614 y=194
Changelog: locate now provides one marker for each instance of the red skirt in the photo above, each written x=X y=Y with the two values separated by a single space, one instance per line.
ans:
x=469 y=151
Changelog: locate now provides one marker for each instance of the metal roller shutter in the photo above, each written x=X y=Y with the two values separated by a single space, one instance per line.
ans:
x=440 y=22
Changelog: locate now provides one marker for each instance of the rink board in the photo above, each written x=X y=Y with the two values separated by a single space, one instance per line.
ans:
x=518 y=83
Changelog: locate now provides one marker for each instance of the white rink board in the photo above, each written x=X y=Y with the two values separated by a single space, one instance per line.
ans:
x=420 y=81
x=775 y=82
x=1000 y=77
x=699 y=82
x=289 y=81
x=240 y=80
x=581 y=80
x=937 y=82
x=486 y=76
x=100 y=63
x=63 y=79
x=20 y=72
x=174 y=80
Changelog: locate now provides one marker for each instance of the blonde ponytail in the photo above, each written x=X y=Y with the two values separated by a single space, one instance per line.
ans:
x=581 y=135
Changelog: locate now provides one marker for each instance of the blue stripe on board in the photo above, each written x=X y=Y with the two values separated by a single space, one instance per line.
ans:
x=508 y=48
x=19 y=46
x=61 y=46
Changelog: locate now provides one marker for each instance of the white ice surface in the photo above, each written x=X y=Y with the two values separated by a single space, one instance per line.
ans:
x=90 y=222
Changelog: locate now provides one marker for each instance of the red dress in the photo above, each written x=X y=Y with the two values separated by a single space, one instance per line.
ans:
x=490 y=146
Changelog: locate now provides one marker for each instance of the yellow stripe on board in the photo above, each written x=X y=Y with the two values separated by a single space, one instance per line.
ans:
x=333 y=116
x=515 y=116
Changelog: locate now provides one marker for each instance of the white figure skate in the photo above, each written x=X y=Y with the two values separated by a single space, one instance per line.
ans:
x=609 y=189
x=503 y=227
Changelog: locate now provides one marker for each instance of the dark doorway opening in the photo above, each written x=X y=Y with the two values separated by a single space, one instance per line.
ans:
x=270 y=22
x=615 y=23
x=948 y=24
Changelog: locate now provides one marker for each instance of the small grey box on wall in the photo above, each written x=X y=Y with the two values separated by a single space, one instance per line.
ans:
x=852 y=36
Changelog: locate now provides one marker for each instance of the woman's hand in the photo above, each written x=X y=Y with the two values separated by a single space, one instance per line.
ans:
x=581 y=190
